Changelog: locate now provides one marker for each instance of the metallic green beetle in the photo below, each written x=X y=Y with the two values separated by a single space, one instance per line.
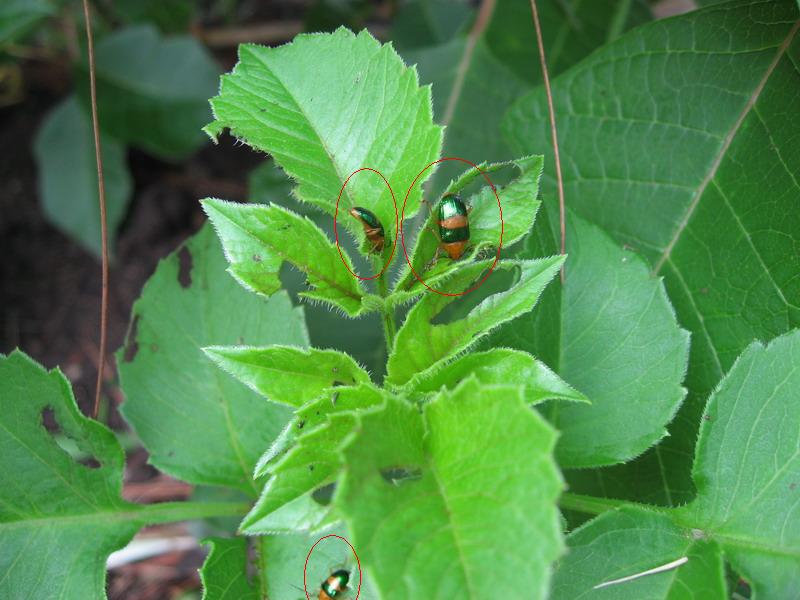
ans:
x=372 y=227
x=335 y=585
x=453 y=222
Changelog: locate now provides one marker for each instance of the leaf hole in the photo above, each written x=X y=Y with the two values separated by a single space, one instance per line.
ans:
x=67 y=443
x=323 y=495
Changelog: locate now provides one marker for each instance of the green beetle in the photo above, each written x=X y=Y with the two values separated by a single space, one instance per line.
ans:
x=453 y=223
x=335 y=585
x=372 y=227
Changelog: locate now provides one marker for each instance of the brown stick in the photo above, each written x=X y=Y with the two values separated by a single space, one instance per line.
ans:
x=553 y=133
x=101 y=191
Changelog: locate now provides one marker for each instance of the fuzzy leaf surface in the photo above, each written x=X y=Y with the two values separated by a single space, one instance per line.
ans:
x=198 y=423
x=259 y=239
x=420 y=345
x=327 y=105
x=55 y=513
x=64 y=150
x=286 y=374
x=679 y=139
x=305 y=459
x=497 y=367
x=432 y=515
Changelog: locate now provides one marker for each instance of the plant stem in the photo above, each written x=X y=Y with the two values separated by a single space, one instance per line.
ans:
x=168 y=512
x=387 y=314
x=594 y=506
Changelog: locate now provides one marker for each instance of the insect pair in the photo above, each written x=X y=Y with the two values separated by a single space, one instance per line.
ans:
x=452 y=220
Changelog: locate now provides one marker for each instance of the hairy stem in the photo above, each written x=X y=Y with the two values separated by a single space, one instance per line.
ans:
x=593 y=505
x=387 y=315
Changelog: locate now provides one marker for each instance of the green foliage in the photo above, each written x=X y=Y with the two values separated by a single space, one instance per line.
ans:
x=421 y=502
x=680 y=131
x=64 y=150
x=223 y=572
x=20 y=17
x=172 y=390
x=48 y=500
x=153 y=89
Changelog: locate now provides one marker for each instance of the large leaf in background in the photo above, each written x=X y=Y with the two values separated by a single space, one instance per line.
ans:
x=59 y=519
x=312 y=105
x=225 y=572
x=19 y=17
x=421 y=23
x=519 y=204
x=422 y=345
x=198 y=423
x=286 y=374
x=632 y=540
x=431 y=515
x=65 y=157
x=680 y=140
x=153 y=90
x=618 y=343
x=747 y=468
x=292 y=500
x=258 y=239
x=476 y=77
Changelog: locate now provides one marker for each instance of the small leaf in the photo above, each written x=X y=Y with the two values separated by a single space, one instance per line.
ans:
x=224 y=572
x=65 y=157
x=259 y=239
x=198 y=423
x=288 y=375
x=498 y=366
x=420 y=345
x=153 y=90
x=467 y=522
x=518 y=202
x=747 y=467
x=290 y=501
x=55 y=513
x=630 y=541
x=309 y=105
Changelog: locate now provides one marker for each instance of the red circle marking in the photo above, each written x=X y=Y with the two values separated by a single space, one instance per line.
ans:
x=336 y=231
x=353 y=550
x=403 y=216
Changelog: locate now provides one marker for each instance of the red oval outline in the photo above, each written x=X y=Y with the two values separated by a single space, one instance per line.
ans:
x=308 y=556
x=403 y=216
x=396 y=224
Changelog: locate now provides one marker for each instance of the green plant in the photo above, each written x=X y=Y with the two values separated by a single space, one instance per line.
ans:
x=445 y=471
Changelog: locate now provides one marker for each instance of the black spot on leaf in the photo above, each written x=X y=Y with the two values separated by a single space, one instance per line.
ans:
x=184 y=267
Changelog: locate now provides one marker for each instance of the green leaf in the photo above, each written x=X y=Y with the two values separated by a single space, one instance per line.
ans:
x=498 y=366
x=519 y=205
x=288 y=375
x=291 y=500
x=20 y=17
x=198 y=423
x=153 y=90
x=307 y=103
x=629 y=541
x=421 y=345
x=224 y=572
x=747 y=467
x=420 y=23
x=476 y=77
x=267 y=183
x=706 y=195
x=172 y=17
x=433 y=516
x=55 y=513
x=258 y=239
x=65 y=156
x=618 y=342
